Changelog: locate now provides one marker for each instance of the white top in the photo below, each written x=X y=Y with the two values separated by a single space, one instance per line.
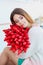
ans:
x=36 y=40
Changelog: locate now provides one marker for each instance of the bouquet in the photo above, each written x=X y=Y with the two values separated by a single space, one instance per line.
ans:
x=17 y=37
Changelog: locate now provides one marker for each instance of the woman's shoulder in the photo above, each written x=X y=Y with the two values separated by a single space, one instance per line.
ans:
x=36 y=30
x=36 y=36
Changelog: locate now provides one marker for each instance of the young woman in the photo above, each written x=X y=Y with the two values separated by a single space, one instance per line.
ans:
x=34 y=55
x=20 y=17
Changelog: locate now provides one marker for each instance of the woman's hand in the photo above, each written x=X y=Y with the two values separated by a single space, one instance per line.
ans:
x=8 y=57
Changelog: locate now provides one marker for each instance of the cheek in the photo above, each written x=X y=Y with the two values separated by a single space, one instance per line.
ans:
x=26 y=23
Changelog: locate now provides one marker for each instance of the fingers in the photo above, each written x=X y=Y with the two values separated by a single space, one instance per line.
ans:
x=11 y=55
x=6 y=55
x=3 y=58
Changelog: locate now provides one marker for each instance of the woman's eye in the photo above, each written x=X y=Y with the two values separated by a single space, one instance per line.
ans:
x=21 y=17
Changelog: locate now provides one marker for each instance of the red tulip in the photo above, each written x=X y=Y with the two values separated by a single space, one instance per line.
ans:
x=17 y=37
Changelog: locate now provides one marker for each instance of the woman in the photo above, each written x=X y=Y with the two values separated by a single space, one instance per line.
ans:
x=20 y=17
x=34 y=53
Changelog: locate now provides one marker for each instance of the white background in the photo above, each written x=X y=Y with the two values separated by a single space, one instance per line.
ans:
x=33 y=7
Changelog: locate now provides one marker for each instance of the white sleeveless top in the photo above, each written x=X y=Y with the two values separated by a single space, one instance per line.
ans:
x=35 y=52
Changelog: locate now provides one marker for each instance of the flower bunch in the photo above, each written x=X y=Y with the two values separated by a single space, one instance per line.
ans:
x=17 y=37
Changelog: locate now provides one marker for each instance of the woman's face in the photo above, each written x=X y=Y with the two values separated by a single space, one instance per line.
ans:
x=20 y=20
